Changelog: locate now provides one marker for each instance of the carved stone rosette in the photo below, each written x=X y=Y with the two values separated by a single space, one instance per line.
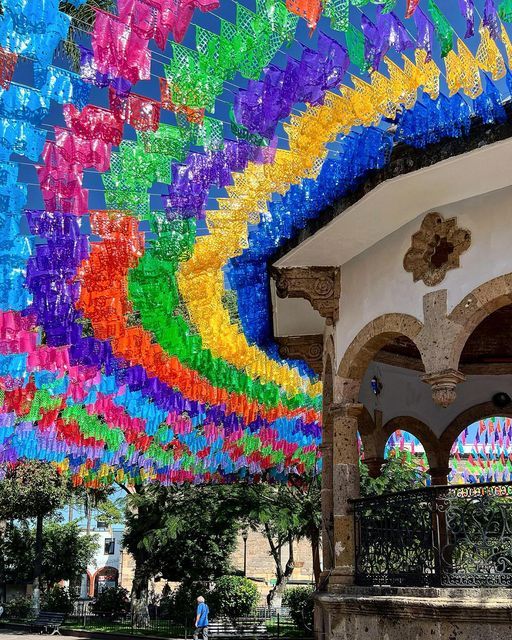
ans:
x=307 y=348
x=435 y=249
x=319 y=285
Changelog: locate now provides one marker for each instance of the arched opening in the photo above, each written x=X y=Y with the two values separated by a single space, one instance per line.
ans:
x=488 y=350
x=404 y=465
x=405 y=447
x=482 y=452
x=105 y=578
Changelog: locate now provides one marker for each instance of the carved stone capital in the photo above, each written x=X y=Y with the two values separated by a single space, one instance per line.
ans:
x=307 y=348
x=346 y=410
x=439 y=475
x=443 y=385
x=319 y=285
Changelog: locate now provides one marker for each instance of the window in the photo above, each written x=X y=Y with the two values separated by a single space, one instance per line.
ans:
x=101 y=525
x=110 y=545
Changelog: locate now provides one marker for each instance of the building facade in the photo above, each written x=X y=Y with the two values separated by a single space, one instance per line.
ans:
x=106 y=569
x=405 y=293
x=114 y=566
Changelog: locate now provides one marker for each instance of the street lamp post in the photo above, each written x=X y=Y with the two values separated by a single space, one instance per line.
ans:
x=245 y=535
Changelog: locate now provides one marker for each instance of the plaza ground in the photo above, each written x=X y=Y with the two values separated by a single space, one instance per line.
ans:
x=12 y=634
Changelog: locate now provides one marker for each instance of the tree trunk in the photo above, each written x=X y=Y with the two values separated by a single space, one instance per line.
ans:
x=88 y=513
x=315 y=552
x=38 y=562
x=3 y=581
x=140 y=599
x=275 y=597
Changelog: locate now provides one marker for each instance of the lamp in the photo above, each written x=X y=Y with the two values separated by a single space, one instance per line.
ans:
x=501 y=400
x=376 y=385
x=245 y=535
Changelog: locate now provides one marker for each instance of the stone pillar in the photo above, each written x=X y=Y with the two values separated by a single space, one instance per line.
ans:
x=345 y=488
x=439 y=475
x=327 y=498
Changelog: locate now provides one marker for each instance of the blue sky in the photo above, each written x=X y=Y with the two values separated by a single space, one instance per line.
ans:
x=211 y=21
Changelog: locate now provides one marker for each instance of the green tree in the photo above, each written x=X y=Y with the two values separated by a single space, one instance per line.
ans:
x=400 y=473
x=285 y=514
x=305 y=503
x=66 y=552
x=59 y=599
x=101 y=501
x=82 y=21
x=184 y=534
x=32 y=489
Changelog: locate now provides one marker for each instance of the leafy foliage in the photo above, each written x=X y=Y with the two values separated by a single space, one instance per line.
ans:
x=284 y=514
x=59 y=599
x=82 y=21
x=18 y=608
x=66 y=552
x=233 y=596
x=183 y=533
x=300 y=602
x=185 y=600
x=400 y=473
x=31 y=489
x=113 y=601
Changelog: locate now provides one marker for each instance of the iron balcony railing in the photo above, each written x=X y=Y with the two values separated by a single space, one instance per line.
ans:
x=452 y=536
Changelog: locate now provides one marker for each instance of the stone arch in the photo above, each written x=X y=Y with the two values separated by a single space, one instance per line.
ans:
x=108 y=573
x=419 y=430
x=375 y=335
x=89 y=583
x=476 y=306
x=468 y=416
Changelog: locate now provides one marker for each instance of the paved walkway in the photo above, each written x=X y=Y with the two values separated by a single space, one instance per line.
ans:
x=14 y=634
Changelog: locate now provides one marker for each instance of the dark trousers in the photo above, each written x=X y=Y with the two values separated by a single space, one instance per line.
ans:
x=203 y=630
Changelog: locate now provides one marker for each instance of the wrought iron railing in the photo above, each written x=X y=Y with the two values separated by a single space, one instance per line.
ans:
x=453 y=536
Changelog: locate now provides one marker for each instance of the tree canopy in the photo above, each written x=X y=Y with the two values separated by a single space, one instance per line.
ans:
x=182 y=533
x=31 y=489
x=66 y=552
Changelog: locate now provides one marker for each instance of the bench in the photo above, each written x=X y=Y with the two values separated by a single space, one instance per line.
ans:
x=242 y=628
x=48 y=621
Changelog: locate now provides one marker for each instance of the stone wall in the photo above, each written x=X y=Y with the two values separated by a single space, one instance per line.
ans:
x=260 y=565
x=414 y=614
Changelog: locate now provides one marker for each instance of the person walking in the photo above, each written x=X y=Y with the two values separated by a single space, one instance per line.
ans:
x=201 y=619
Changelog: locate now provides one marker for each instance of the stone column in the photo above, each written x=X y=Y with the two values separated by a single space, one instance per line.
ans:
x=345 y=488
x=327 y=500
x=439 y=475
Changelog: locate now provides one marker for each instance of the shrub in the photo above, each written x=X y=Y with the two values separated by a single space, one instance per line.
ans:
x=19 y=608
x=59 y=599
x=300 y=602
x=112 y=602
x=183 y=601
x=233 y=596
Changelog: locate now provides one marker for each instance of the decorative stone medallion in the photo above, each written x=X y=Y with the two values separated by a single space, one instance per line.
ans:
x=435 y=249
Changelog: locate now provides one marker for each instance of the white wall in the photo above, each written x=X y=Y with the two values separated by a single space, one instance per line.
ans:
x=404 y=394
x=375 y=282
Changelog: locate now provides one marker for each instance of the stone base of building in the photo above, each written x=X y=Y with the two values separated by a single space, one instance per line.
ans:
x=374 y=613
